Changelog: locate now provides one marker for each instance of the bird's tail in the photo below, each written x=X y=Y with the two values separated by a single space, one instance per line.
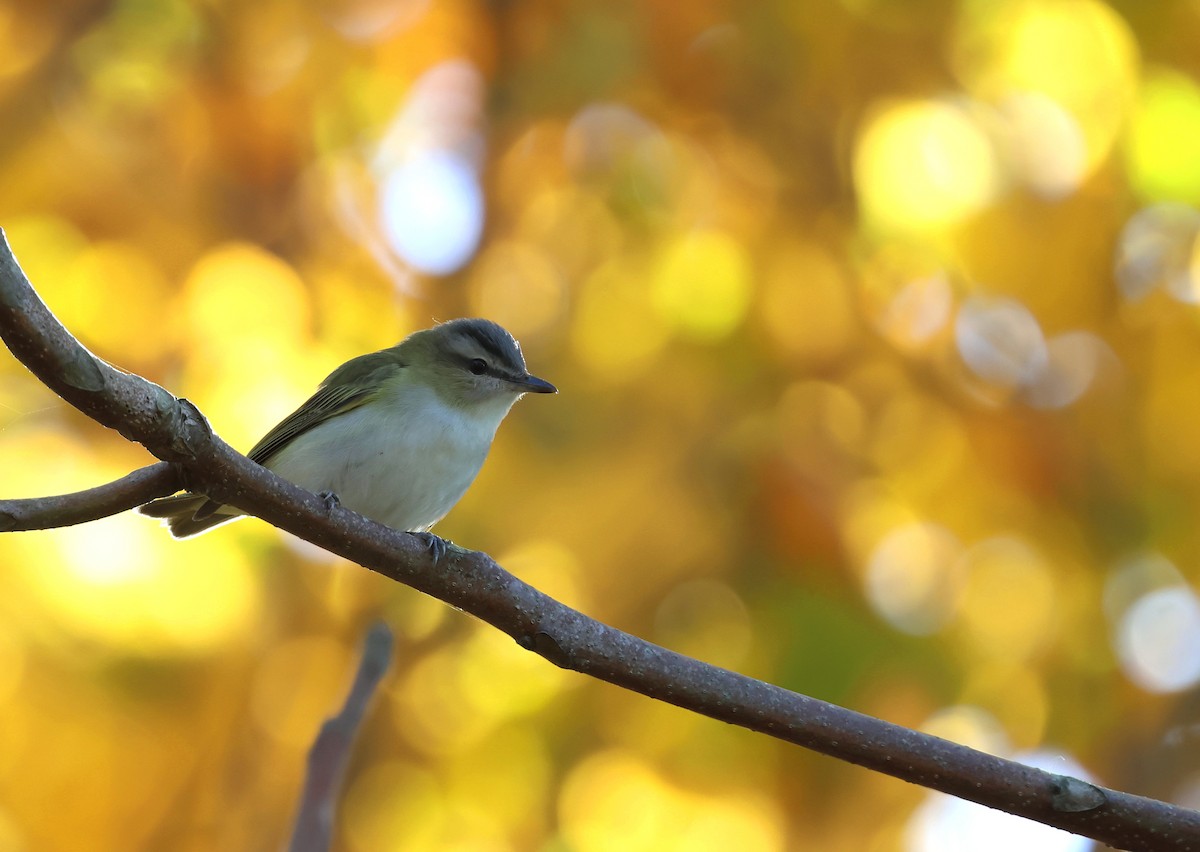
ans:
x=187 y=515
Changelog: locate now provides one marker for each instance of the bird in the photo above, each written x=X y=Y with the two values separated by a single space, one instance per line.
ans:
x=396 y=435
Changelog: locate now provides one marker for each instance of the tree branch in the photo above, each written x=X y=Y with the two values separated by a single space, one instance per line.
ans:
x=330 y=754
x=131 y=490
x=173 y=430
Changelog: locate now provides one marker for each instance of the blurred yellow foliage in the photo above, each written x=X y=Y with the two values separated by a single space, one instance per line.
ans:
x=1167 y=111
x=923 y=166
x=702 y=284
x=613 y=794
x=875 y=326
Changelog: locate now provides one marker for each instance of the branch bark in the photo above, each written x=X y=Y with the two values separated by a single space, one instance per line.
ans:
x=131 y=490
x=330 y=754
x=173 y=430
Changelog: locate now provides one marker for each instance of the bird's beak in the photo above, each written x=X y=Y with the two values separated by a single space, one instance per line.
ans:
x=532 y=384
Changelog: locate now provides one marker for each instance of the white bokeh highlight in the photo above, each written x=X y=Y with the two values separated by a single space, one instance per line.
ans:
x=431 y=209
x=1074 y=360
x=1154 y=616
x=1158 y=248
x=1042 y=144
x=1158 y=640
x=431 y=205
x=1000 y=341
x=914 y=577
x=948 y=824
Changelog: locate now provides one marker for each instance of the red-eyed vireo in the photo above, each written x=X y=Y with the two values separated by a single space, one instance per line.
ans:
x=397 y=435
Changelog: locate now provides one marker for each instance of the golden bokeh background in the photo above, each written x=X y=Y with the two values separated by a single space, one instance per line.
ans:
x=877 y=336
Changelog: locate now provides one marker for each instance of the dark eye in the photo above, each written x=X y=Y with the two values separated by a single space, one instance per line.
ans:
x=478 y=366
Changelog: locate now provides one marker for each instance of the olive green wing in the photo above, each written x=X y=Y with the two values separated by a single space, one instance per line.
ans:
x=348 y=387
x=190 y=514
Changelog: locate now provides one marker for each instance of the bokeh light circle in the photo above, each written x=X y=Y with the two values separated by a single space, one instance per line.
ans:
x=923 y=165
x=431 y=207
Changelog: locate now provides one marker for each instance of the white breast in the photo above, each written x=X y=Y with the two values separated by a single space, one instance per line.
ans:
x=383 y=461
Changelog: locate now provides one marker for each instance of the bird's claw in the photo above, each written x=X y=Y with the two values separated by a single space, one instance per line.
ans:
x=436 y=544
x=330 y=499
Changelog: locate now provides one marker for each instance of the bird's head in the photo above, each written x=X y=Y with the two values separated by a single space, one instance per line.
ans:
x=472 y=364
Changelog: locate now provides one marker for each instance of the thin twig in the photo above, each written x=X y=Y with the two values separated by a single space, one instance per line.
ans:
x=174 y=430
x=64 y=510
x=330 y=753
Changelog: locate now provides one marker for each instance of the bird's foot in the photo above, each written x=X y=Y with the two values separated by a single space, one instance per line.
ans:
x=331 y=500
x=436 y=544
